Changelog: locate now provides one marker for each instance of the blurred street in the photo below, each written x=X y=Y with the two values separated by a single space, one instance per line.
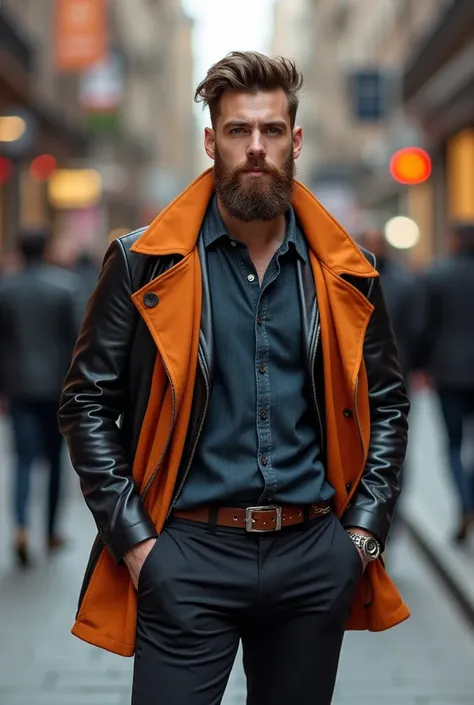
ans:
x=426 y=661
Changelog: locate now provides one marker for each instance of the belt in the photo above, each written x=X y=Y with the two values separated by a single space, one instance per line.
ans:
x=255 y=519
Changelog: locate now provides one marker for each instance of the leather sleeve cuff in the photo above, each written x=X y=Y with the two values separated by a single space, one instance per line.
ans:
x=121 y=542
x=363 y=519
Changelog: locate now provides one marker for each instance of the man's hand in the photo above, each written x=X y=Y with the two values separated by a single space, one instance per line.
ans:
x=136 y=557
x=361 y=532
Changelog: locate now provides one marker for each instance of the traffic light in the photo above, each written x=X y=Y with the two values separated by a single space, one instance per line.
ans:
x=42 y=167
x=411 y=165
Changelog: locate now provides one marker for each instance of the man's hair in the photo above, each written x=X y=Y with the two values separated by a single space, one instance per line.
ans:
x=32 y=244
x=249 y=72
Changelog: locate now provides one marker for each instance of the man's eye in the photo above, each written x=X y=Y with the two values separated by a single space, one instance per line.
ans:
x=236 y=130
x=274 y=130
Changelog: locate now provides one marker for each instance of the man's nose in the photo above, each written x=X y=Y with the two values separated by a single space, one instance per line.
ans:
x=256 y=148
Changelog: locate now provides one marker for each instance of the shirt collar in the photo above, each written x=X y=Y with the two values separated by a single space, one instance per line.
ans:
x=215 y=228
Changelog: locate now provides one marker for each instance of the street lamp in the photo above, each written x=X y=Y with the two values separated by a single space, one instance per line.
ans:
x=12 y=127
x=17 y=142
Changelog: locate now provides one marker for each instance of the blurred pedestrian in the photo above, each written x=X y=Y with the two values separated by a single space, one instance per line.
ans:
x=88 y=272
x=446 y=353
x=244 y=343
x=38 y=327
x=399 y=286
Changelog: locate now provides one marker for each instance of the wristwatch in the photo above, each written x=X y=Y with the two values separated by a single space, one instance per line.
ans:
x=369 y=546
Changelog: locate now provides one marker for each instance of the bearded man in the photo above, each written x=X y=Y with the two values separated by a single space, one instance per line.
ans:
x=236 y=413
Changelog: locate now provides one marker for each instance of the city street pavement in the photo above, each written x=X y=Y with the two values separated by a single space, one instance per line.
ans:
x=429 y=502
x=428 y=660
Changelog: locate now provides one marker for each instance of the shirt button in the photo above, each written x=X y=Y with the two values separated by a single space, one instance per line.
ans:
x=262 y=369
x=263 y=414
x=259 y=320
x=251 y=277
x=233 y=243
x=263 y=460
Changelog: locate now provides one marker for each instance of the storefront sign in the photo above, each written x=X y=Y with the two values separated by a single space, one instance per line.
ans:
x=80 y=33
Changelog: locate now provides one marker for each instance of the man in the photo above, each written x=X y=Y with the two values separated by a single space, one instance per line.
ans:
x=446 y=353
x=399 y=288
x=38 y=329
x=229 y=338
x=87 y=271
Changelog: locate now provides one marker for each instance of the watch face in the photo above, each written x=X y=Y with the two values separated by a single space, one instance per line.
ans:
x=371 y=548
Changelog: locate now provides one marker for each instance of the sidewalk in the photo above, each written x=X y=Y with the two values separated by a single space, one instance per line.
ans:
x=429 y=503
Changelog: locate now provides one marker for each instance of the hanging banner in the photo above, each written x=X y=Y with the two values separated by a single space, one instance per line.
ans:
x=80 y=33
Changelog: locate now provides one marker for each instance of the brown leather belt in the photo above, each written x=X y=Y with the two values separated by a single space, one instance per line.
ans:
x=256 y=519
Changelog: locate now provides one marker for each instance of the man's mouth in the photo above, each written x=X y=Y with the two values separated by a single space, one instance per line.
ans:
x=255 y=170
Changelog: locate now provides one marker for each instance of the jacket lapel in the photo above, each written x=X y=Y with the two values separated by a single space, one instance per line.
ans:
x=174 y=321
x=344 y=311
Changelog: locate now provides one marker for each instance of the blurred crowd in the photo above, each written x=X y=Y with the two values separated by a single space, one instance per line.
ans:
x=42 y=305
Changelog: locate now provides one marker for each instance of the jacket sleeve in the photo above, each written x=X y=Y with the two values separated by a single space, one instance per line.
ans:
x=93 y=399
x=375 y=497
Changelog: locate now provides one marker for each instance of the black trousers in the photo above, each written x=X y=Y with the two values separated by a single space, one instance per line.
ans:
x=285 y=595
x=457 y=406
x=35 y=433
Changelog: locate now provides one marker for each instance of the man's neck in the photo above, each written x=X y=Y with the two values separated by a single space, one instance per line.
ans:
x=256 y=234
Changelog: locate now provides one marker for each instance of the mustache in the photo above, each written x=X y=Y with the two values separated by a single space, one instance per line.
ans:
x=257 y=165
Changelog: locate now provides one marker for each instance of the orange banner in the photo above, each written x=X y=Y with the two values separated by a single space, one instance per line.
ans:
x=80 y=33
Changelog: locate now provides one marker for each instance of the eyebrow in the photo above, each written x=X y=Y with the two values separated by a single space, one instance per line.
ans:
x=246 y=123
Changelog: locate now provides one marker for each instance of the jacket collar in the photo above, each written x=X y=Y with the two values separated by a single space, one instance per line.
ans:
x=176 y=229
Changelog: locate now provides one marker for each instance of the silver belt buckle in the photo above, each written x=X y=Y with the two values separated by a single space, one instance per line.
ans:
x=249 y=520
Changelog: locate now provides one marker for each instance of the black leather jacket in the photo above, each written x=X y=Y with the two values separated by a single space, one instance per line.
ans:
x=110 y=380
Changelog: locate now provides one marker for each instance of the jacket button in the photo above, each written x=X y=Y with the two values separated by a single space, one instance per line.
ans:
x=348 y=487
x=347 y=413
x=150 y=300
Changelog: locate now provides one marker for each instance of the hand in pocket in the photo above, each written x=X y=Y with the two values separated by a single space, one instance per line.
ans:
x=136 y=557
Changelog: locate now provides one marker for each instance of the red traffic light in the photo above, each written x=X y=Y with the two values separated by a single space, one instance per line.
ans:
x=6 y=170
x=42 y=167
x=411 y=165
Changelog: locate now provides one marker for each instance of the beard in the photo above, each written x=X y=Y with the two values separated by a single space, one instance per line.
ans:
x=258 y=197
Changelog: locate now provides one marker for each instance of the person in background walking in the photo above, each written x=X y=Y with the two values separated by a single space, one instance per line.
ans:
x=399 y=286
x=38 y=328
x=88 y=272
x=446 y=354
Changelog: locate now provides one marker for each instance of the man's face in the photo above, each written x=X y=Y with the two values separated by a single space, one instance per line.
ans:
x=254 y=149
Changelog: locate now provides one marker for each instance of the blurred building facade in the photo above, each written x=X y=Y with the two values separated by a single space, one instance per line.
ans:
x=357 y=99
x=124 y=115
x=438 y=89
x=292 y=37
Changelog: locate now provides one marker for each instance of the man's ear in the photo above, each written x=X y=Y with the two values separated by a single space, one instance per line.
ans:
x=297 y=141
x=210 y=142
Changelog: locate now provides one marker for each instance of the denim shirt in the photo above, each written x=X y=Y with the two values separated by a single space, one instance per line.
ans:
x=260 y=441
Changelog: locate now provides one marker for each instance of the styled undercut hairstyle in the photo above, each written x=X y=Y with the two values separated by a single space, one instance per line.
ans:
x=249 y=72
